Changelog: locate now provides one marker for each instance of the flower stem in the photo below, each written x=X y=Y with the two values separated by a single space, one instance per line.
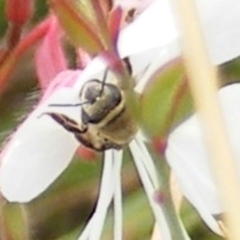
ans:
x=154 y=179
x=9 y=59
x=13 y=221
x=165 y=200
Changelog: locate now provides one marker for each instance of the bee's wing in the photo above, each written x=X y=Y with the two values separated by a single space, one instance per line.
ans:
x=39 y=150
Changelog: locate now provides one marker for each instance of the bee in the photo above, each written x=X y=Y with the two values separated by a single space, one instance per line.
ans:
x=106 y=118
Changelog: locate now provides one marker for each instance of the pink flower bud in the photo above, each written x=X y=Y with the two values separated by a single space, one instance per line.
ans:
x=160 y=145
x=19 y=11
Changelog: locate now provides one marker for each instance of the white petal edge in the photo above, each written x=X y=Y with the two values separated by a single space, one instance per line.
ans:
x=39 y=151
x=188 y=156
x=194 y=183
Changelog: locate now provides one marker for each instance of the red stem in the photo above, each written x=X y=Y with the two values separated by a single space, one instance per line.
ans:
x=9 y=60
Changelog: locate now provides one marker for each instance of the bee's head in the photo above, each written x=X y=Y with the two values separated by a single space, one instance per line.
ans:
x=100 y=99
x=97 y=100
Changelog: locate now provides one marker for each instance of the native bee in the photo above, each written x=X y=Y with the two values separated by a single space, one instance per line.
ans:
x=106 y=119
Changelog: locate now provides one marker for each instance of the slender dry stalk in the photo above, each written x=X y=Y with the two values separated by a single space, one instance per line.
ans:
x=204 y=84
x=156 y=233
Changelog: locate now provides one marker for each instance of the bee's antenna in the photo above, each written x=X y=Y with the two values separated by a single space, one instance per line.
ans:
x=80 y=104
x=67 y=104
x=104 y=81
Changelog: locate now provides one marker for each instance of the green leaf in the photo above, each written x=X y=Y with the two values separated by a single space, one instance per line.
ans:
x=13 y=222
x=77 y=21
x=166 y=100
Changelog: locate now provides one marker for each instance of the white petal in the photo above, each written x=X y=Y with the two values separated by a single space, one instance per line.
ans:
x=160 y=58
x=39 y=151
x=153 y=28
x=188 y=159
x=156 y=29
x=118 y=212
x=221 y=23
x=107 y=190
x=188 y=156
x=147 y=161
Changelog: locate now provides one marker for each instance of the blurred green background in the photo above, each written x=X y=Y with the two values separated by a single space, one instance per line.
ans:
x=61 y=212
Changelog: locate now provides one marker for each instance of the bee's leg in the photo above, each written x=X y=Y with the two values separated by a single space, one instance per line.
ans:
x=128 y=65
x=68 y=123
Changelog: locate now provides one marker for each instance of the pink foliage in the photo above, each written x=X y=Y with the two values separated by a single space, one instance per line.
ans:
x=19 y=11
x=49 y=57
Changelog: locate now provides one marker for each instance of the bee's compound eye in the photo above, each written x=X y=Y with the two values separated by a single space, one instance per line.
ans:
x=92 y=91
x=102 y=100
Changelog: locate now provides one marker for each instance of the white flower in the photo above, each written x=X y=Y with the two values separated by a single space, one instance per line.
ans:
x=156 y=28
x=40 y=150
